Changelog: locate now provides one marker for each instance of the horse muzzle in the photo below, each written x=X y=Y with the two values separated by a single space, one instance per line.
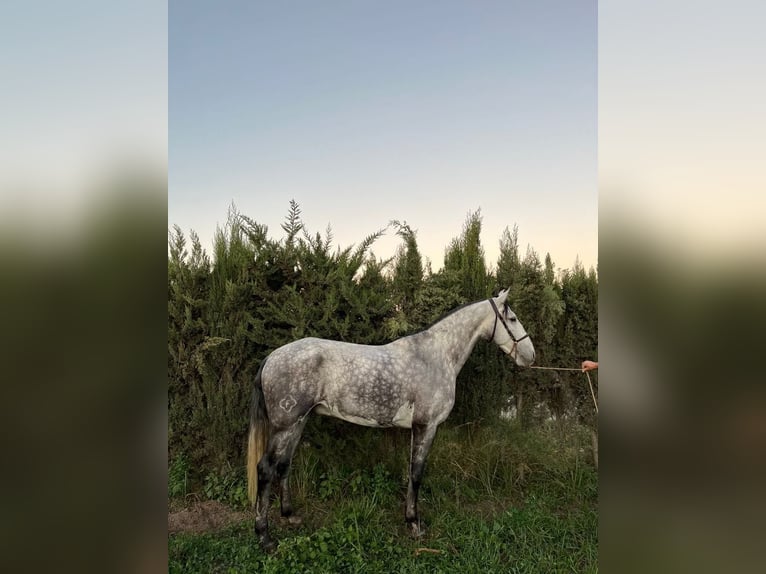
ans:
x=522 y=352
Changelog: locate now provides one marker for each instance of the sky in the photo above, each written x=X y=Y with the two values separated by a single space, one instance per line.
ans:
x=682 y=133
x=82 y=99
x=366 y=112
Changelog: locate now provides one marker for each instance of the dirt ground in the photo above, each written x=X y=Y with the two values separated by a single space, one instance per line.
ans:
x=203 y=517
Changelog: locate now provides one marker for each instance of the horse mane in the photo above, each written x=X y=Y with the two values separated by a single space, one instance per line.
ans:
x=505 y=308
x=450 y=312
x=447 y=314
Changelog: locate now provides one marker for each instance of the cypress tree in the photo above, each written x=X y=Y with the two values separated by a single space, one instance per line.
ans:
x=406 y=282
x=539 y=306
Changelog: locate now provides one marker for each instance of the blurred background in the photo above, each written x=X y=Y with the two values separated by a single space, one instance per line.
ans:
x=83 y=179
x=681 y=245
x=83 y=244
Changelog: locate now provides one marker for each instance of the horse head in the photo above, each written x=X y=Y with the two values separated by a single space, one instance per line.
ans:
x=512 y=338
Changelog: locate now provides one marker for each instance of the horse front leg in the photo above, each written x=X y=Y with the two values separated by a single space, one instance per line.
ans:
x=422 y=438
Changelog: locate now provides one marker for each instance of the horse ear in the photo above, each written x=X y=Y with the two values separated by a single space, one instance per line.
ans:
x=503 y=295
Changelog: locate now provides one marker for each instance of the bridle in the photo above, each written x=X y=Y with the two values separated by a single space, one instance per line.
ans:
x=503 y=323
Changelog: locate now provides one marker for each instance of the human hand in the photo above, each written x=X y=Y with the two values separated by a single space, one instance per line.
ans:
x=589 y=365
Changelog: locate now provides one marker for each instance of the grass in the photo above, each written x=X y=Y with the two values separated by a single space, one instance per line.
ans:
x=495 y=499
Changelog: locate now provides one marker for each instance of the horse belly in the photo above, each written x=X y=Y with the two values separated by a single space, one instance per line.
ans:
x=332 y=411
x=402 y=418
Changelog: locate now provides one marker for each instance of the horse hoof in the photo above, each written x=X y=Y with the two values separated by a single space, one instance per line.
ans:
x=294 y=520
x=416 y=530
x=268 y=544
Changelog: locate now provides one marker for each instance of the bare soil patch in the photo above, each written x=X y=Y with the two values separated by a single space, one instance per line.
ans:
x=205 y=516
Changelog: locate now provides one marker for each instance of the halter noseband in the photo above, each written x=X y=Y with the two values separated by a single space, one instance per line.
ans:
x=502 y=322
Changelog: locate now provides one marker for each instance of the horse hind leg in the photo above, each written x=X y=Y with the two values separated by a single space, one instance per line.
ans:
x=266 y=471
x=283 y=473
x=286 y=506
x=275 y=463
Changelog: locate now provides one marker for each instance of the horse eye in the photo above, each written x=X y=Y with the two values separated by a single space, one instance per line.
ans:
x=513 y=319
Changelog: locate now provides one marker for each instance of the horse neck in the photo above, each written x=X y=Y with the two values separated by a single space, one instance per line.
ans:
x=459 y=332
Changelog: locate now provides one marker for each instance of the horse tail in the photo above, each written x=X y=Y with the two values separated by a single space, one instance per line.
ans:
x=259 y=434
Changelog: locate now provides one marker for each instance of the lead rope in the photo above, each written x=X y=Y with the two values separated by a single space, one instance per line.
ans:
x=590 y=384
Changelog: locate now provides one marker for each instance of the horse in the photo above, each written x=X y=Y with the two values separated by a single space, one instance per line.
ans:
x=408 y=383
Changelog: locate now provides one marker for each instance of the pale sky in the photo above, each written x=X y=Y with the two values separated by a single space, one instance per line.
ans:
x=366 y=112
x=84 y=95
x=682 y=132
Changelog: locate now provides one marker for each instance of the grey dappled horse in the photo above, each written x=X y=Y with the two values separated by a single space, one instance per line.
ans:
x=409 y=383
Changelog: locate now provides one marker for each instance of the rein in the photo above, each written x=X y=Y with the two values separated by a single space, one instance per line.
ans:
x=590 y=384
